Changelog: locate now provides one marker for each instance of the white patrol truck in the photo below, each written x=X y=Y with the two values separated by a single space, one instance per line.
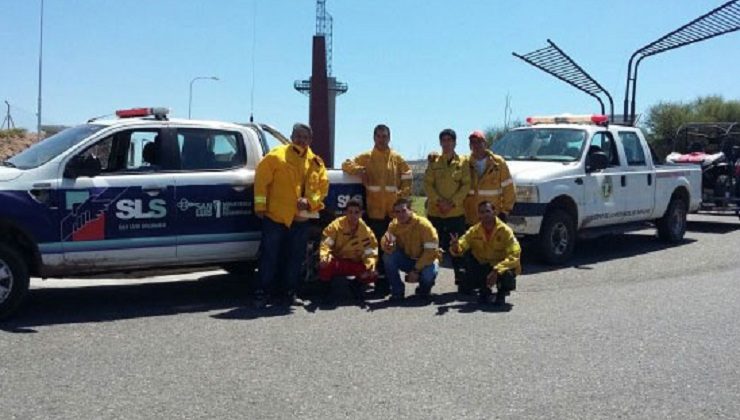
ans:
x=578 y=176
x=135 y=193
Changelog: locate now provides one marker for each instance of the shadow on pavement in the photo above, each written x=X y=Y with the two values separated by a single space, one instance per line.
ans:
x=74 y=305
x=713 y=227
x=593 y=251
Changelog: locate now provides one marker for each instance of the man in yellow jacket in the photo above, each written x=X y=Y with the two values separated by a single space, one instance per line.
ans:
x=446 y=183
x=348 y=248
x=387 y=177
x=494 y=255
x=411 y=245
x=490 y=180
x=290 y=185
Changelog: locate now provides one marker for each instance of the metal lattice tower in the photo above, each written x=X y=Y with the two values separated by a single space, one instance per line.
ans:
x=8 y=120
x=556 y=62
x=722 y=20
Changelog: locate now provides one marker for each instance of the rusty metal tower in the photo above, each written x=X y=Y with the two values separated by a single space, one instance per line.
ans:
x=322 y=88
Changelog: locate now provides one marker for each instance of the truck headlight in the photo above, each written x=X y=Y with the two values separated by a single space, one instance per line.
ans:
x=527 y=194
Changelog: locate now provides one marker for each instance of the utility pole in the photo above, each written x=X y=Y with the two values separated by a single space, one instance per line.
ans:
x=41 y=54
x=8 y=119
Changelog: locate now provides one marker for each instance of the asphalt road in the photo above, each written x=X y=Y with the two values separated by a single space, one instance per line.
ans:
x=633 y=329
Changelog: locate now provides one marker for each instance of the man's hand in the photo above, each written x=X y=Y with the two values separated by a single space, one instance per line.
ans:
x=454 y=240
x=412 y=277
x=302 y=204
x=491 y=278
x=388 y=242
x=362 y=173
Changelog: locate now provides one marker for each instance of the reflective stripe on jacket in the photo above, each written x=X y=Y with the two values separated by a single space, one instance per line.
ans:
x=418 y=239
x=388 y=178
x=501 y=250
x=495 y=185
x=285 y=174
x=447 y=178
x=338 y=241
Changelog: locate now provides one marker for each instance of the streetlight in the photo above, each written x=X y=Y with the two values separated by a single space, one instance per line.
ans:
x=41 y=51
x=190 y=97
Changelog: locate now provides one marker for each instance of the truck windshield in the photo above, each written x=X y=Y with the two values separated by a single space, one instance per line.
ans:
x=549 y=144
x=51 y=147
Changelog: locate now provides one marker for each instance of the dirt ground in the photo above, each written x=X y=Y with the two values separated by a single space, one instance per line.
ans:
x=12 y=145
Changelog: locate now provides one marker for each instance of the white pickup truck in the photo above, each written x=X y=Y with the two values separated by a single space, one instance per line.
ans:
x=135 y=193
x=579 y=176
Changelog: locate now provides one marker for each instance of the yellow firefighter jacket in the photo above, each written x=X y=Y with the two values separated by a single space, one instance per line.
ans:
x=338 y=241
x=286 y=174
x=418 y=239
x=446 y=177
x=501 y=249
x=495 y=185
x=388 y=178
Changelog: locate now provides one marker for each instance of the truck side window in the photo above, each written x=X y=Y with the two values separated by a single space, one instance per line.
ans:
x=632 y=148
x=133 y=151
x=202 y=149
x=604 y=142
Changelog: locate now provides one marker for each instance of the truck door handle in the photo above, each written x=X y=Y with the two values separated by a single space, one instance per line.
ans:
x=624 y=180
x=650 y=179
x=238 y=187
x=579 y=181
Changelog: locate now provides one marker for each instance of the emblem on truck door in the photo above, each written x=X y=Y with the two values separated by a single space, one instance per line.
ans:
x=607 y=187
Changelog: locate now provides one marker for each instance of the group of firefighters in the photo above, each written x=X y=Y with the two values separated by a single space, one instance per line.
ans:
x=468 y=200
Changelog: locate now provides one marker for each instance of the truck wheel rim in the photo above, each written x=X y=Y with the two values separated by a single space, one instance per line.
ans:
x=677 y=220
x=559 y=239
x=6 y=281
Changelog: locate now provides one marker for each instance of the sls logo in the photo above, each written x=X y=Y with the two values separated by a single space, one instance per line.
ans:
x=134 y=209
x=343 y=199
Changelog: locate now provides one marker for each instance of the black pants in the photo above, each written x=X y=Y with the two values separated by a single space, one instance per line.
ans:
x=379 y=227
x=445 y=226
x=476 y=274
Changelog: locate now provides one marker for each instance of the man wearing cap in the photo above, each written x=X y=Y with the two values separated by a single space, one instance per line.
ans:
x=492 y=255
x=290 y=185
x=348 y=248
x=446 y=183
x=411 y=245
x=387 y=177
x=490 y=180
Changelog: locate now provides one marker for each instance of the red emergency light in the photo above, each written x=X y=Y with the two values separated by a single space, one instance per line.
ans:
x=597 y=119
x=159 y=113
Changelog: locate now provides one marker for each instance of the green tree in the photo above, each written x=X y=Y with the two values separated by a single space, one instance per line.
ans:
x=664 y=119
x=495 y=132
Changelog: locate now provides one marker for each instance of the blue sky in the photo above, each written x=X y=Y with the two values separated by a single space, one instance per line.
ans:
x=417 y=65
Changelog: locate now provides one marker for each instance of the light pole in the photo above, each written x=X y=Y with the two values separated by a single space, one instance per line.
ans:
x=190 y=97
x=41 y=51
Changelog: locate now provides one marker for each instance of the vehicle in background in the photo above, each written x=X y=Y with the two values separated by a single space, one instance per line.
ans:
x=579 y=176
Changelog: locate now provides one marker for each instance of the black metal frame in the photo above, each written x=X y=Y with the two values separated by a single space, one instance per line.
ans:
x=722 y=20
x=556 y=62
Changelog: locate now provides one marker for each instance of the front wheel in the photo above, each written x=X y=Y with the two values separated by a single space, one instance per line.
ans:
x=557 y=237
x=672 y=226
x=14 y=280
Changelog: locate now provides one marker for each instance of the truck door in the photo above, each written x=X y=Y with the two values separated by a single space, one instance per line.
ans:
x=639 y=179
x=122 y=214
x=214 y=195
x=603 y=195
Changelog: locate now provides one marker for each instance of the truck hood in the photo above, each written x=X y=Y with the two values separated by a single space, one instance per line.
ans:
x=9 y=174
x=531 y=172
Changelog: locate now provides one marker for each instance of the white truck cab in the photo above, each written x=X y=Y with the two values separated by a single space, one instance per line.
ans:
x=135 y=193
x=578 y=175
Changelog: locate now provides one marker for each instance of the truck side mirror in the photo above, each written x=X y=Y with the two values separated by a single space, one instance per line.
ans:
x=596 y=161
x=80 y=165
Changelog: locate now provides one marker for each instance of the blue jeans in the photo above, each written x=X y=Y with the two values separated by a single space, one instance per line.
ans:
x=400 y=261
x=282 y=252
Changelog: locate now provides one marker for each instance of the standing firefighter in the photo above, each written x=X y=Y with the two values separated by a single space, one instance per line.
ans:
x=348 y=248
x=386 y=177
x=446 y=183
x=493 y=257
x=490 y=180
x=289 y=189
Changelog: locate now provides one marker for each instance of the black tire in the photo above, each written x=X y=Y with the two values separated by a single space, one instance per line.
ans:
x=14 y=281
x=672 y=226
x=557 y=237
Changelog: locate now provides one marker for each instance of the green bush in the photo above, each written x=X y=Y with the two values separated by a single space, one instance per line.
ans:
x=13 y=132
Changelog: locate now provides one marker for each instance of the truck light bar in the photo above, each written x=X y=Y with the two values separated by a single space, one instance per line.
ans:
x=597 y=119
x=159 y=113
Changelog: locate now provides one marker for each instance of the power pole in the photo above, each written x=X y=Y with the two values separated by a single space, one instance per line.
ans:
x=8 y=119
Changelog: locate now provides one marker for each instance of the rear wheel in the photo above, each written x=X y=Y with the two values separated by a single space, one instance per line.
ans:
x=557 y=237
x=14 y=280
x=672 y=226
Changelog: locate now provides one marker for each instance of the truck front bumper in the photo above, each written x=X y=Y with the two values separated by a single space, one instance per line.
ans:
x=526 y=218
